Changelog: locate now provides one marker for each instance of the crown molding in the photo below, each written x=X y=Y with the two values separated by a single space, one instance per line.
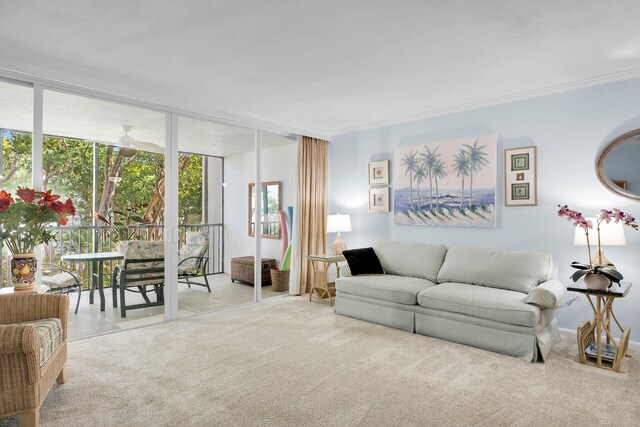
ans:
x=519 y=96
x=62 y=76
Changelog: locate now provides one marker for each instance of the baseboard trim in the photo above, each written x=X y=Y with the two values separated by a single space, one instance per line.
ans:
x=632 y=344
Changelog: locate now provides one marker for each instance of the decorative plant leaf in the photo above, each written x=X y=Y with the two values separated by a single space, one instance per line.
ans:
x=580 y=266
x=578 y=275
x=611 y=274
x=136 y=218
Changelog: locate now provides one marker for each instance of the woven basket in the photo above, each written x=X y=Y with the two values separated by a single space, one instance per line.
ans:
x=279 y=280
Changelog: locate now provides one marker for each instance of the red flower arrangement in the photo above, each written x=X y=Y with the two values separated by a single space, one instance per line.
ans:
x=23 y=222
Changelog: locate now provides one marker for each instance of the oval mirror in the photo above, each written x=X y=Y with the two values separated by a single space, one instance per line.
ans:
x=617 y=165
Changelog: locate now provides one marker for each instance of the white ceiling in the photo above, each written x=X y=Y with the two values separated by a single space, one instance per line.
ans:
x=331 y=65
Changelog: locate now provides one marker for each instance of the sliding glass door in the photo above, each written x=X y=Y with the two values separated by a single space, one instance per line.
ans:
x=216 y=164
x=108 y=158
x=203 y=205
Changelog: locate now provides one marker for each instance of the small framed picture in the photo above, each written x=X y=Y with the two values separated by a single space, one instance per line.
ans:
x=520 y=180
x=379 y=199
x=379 y=172
x=520 y=162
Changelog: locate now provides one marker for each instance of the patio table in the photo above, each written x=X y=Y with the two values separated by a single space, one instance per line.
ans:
x=97 y=260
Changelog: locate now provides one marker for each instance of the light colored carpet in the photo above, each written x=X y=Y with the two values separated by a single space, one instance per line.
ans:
x=291 y=362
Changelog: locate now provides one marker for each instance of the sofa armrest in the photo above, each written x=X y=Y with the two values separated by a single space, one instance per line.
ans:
x=345 y=271
x=19 y=348
x=549 y=294
x=16 y=308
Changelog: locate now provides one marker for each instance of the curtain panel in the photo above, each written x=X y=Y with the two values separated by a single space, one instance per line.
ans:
x=312 y=224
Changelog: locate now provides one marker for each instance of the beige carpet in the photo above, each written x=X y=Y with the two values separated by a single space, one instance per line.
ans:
x=291 y=362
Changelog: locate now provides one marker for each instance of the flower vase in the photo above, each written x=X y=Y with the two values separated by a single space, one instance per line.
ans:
x=596 y=281
x=23 y=271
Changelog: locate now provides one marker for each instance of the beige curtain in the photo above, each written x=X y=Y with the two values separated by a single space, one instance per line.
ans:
x=313 y=169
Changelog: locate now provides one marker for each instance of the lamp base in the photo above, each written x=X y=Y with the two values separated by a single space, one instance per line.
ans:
x=338 y=245
x=600 y=259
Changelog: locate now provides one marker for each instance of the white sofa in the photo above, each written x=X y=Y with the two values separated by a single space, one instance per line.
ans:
x=502 y=301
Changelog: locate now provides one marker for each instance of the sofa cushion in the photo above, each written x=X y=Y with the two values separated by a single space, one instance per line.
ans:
x=362 y=261
x=410 y=259
x=513 y=270
x=49 y=336
x=500 y=305
x=398 y=289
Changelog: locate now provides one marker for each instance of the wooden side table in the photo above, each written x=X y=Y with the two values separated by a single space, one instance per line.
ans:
x=608 y=355
x=321 y=286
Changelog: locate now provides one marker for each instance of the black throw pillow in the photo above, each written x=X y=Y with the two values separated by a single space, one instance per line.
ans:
x=363 y=261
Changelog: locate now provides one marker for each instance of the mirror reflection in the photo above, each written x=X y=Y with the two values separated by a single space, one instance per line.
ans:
x=617 y=165
x=270 y=219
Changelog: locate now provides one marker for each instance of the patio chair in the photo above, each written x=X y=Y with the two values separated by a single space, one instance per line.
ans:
x=33 y=351
x=63 y=282
x=192 y=259
x=143 y=267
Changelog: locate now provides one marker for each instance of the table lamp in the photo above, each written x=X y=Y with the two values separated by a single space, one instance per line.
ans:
x=338 y=224
x=611 y=234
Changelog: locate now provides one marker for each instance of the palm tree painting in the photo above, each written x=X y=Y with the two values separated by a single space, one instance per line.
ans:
x=420 y=175
x=438 y=172
x=477 y=160
x=462 y=177
x=410 y=165
x=462 y=166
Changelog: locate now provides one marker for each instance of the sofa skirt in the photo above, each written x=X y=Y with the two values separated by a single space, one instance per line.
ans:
x=528 y=343
x=526 y=346
x=385 y=313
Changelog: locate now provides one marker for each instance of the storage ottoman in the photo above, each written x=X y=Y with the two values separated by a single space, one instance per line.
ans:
x=242 y=270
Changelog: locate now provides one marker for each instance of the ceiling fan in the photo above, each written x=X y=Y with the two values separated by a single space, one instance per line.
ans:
x=129 y=146
x=126 y=143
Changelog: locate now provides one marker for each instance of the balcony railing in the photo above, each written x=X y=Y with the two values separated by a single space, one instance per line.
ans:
x=89 y=239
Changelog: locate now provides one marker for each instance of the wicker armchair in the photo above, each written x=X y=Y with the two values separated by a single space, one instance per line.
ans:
x=29 y=363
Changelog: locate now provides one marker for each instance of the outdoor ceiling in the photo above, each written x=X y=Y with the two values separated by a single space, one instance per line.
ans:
x=98 y=120
x=325 y=66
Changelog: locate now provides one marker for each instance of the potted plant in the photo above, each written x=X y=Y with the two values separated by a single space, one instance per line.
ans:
x=597 y=275
x=23 y=226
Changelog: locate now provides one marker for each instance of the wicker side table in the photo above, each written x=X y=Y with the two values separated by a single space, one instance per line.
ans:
x=608 y=355
x=242 y=270
x=321 y=285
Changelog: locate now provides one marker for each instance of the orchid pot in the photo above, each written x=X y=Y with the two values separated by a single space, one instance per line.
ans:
x=596 y=281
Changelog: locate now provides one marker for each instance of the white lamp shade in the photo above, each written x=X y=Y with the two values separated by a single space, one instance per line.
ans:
x=338 y=223
x=611 y=234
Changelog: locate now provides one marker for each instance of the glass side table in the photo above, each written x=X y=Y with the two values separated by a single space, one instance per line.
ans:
x=592 y=351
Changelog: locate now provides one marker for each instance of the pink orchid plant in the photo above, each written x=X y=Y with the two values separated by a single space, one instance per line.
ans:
x=578 y=220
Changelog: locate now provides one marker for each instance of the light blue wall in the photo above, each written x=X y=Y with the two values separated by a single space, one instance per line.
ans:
x=568 y=130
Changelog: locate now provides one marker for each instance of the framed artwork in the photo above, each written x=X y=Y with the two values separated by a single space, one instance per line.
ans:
x=447 y=184
x=379 y=199
x=379 y=172
x=620 y=183
x=520 y=180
